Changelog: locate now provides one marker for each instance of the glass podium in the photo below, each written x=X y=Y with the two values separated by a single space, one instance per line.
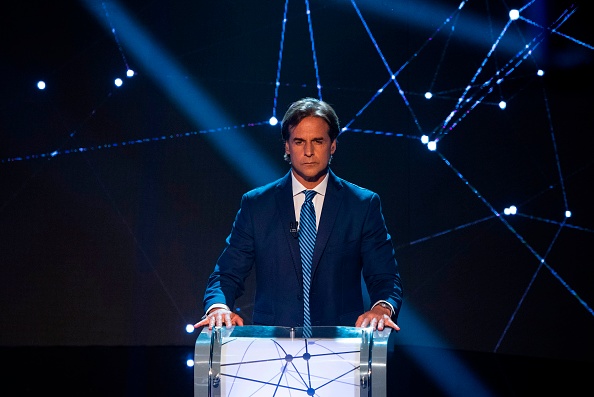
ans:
x=278 y=361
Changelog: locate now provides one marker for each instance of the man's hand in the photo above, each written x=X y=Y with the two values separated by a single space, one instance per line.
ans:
x=377 y=318
x=220 y=317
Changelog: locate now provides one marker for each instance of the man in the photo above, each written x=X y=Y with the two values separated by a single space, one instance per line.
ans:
x=351 y=240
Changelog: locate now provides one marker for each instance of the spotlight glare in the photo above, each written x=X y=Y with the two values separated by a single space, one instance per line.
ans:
x=428 y=95
x=514 y=14
x=41 y=85
x=540 y=72
x=118 y=82
x=502 y=105
x=424 y=139
x=129 y=73
x=273 y=121
x=432 y=146
x=190 y=363
x=568 y=214
x=190 y=328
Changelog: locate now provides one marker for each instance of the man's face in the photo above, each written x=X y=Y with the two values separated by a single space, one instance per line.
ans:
x=310 y=150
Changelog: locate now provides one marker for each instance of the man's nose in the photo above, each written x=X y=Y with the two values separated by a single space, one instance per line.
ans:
x=309 y=149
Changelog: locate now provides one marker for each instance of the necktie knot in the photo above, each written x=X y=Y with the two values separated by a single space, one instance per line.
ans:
x=309 y=195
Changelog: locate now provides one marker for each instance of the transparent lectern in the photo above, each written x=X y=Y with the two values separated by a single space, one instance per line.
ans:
x=278 y=361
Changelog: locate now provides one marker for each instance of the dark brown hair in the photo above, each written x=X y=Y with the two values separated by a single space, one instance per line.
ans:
x=310 y=107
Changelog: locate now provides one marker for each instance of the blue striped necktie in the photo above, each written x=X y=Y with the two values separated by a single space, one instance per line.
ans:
x=307 y=241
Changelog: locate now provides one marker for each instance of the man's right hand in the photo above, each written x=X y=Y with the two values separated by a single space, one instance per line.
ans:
x=220 y=317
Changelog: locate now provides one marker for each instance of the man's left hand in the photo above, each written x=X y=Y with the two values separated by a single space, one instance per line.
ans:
x=376 y=318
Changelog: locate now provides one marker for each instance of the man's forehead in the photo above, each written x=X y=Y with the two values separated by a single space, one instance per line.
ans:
x=309 y=130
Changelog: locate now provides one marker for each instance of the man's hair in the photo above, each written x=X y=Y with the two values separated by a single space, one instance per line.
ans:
x=306 y=107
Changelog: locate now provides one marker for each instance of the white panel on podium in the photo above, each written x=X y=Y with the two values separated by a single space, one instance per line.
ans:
x=277 y=361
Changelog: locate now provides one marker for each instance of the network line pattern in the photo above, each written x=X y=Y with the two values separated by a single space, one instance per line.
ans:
x=484 y=88
x=473 y=95
x=272 y=361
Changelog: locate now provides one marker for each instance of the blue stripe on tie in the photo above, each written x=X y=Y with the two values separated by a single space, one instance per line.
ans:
x=307 y=241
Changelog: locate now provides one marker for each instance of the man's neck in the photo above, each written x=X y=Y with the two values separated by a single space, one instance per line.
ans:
x=310 y=183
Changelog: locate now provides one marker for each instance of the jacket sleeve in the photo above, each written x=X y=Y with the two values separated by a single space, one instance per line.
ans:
x=380 y=268
x=227 y=282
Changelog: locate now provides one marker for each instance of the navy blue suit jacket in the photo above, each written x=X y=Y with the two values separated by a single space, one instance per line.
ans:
x=352 y=239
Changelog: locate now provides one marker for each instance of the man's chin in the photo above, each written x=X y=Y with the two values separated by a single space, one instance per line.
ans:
x=311 y=175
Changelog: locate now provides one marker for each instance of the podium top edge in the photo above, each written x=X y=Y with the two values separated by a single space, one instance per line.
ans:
x=256 y=331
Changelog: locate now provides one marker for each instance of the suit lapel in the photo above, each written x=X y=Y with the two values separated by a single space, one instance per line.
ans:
x=284 y=202
x=332 y=200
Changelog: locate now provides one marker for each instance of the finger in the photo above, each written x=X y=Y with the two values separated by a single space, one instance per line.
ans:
x=238 y=320
x=359 y=322
x=228 y=320
x=393 y=325
x=380 y=325
x=373 y=323
x=219 y=320
x=201 y=323
x=211 y=322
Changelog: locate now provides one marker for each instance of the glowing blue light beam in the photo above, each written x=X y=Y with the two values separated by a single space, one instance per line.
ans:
x=474 y=30
x=444 y=367
x=189 y=96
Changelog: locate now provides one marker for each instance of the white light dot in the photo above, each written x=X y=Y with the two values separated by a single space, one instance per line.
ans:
x=540 y=72
x=118 y=82
x=190 y=363
x=428 y=95
x=502 y=105
x=273 y=121
x=190 y=328
x=514 y=14
x=129 y=73
x=432 y=145
x=424 y=139
x=41 y=85
x=568 y=214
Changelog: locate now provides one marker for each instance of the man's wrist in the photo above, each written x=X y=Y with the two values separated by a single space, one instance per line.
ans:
x=217 y=306
x=385 y=305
